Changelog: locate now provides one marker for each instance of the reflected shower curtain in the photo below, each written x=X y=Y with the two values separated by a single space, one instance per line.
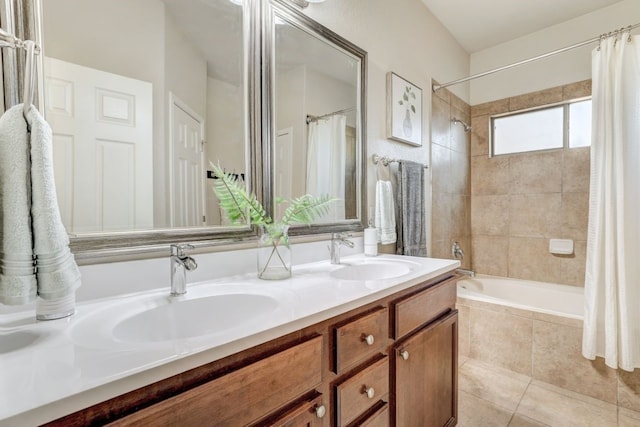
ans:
x=326 y=156
x=612 y=281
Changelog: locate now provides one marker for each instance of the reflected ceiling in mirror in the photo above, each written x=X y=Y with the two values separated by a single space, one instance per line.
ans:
x=318 y=105
x=142 y=96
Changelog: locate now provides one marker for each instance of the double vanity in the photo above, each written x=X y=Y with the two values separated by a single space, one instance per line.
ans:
x=371 y=341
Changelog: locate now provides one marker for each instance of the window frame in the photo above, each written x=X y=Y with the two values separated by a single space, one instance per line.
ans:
x=565 y=125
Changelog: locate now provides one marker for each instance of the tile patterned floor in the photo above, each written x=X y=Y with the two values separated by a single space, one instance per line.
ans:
x=495 y=397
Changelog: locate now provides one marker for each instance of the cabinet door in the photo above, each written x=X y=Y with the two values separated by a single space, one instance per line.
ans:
x=426 y=382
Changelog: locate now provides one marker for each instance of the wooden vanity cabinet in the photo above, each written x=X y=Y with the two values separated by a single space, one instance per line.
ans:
x=392 y=362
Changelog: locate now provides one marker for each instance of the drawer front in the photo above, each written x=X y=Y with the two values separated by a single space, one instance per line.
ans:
x=412 y=312
x=241 y=396
x=378 y=419
x=361 y=391
x=359 y=339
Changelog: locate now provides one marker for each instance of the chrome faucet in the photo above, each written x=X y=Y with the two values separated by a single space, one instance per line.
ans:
x=180 y=264
x=337 y=240
x=456 y=251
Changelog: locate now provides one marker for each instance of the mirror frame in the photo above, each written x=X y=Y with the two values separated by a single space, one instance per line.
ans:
x=295 y=17
x=23 y=18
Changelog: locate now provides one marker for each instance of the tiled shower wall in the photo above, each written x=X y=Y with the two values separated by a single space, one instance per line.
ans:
x=520 y=201
x=450 y=192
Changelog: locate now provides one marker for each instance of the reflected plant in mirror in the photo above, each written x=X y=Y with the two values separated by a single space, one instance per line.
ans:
x=137 y=118
x=241 y=206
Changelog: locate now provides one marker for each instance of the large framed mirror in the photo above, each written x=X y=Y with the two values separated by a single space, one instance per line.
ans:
x=316 y=90
x=141 y=97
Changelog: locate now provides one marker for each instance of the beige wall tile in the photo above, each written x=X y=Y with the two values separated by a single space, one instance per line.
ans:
x=554 y=407
x=536 y=99
x=573 y=266
x=441 y=216
x=500 y=387
x=558 y=360
x=501 y=339
x=529 y=258
x=629 y=389
x=576 y=90
x=459 y=208
x=440 y=169
x=441 y=249
x=460 y=140
x=576 y=170
x=535 y=215
x=440 y=122
x=536 y=173
x=489 y=176
x=489 y=254
x=490 y=215
x=628 y=418
x=575 y=215
x=498 y=308
x=493 y=107
x=465 y=244
x=460 y=173
x=560 y=320
x=460 y=105
x=480 y=136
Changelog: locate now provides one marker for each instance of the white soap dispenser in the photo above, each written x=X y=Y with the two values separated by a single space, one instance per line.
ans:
x=371 y=239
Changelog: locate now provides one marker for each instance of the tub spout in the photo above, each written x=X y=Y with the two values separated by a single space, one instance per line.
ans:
x=466 y=272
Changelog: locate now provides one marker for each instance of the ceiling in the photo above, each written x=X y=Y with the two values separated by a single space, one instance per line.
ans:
x=478 y=25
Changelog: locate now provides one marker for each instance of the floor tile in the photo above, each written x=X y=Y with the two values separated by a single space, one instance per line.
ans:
x=498 y=386
x=476 y=412
x=522 y=421
x=628 y=418
x=563 y=408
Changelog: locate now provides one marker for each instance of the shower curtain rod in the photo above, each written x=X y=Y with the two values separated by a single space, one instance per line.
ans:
x=437 y=87
x=311 y=118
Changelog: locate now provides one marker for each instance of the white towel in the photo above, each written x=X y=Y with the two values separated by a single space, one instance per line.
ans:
x=17 y=276
x=385 y=213
x=57 y=273
x=35 y=233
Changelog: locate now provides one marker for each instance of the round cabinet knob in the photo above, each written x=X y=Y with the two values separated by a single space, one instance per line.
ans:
x=404 y=354
x=369 y=391
x=320 y=411
x=369 y=339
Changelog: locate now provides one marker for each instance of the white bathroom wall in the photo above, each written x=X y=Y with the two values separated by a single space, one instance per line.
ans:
x=401 y=36
x=565 y=68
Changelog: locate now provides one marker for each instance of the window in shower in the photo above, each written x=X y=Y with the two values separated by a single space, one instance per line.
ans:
x=548 y=128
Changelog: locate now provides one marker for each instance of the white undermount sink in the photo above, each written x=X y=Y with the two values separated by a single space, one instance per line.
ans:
x=194 y=317
x=373 y=270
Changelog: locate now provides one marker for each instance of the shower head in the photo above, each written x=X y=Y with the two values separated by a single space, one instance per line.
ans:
x=466 y=126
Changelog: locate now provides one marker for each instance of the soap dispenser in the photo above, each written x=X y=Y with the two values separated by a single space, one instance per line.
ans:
x=371 y=239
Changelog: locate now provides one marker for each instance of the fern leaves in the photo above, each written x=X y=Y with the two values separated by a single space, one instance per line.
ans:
x=242 y=208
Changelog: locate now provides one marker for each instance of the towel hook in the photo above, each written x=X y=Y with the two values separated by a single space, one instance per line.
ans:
x=27 y=96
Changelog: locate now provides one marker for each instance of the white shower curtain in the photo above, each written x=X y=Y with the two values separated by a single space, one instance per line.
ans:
x=612 y=282
x=326 y=157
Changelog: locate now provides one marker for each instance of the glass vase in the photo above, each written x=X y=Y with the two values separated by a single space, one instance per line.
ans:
x=274 y=252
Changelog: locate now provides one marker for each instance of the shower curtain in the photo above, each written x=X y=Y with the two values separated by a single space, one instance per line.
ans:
x=326 y=157
x=612 y=281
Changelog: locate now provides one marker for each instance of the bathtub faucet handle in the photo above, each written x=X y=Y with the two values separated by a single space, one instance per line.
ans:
x=456 y=251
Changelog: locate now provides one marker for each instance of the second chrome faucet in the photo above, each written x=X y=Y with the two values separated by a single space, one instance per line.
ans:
x=180 y=264
x=337 y=240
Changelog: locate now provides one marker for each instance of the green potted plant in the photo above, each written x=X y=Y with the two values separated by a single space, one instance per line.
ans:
x=241 y=207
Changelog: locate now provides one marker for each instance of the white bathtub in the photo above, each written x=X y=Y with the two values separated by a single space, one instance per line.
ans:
x=541 y=297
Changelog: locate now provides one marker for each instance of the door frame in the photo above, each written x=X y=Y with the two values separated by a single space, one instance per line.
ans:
x=176 y=101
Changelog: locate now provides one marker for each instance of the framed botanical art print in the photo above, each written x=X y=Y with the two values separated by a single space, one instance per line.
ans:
x=404 y=110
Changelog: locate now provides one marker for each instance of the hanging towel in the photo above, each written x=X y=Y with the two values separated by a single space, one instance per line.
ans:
x=57 y=273
x=412 y=238
x=385 y=220
x=31 y=225
x=17 y=275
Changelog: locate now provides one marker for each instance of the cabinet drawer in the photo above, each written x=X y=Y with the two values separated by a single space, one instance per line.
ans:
x=361 y=391
x=415 y=310
x=309 y=413
x=242 y=396
x=360 y=338
x=380 y=418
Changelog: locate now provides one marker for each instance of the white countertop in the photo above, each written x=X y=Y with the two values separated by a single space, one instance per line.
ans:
x=47 y=372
